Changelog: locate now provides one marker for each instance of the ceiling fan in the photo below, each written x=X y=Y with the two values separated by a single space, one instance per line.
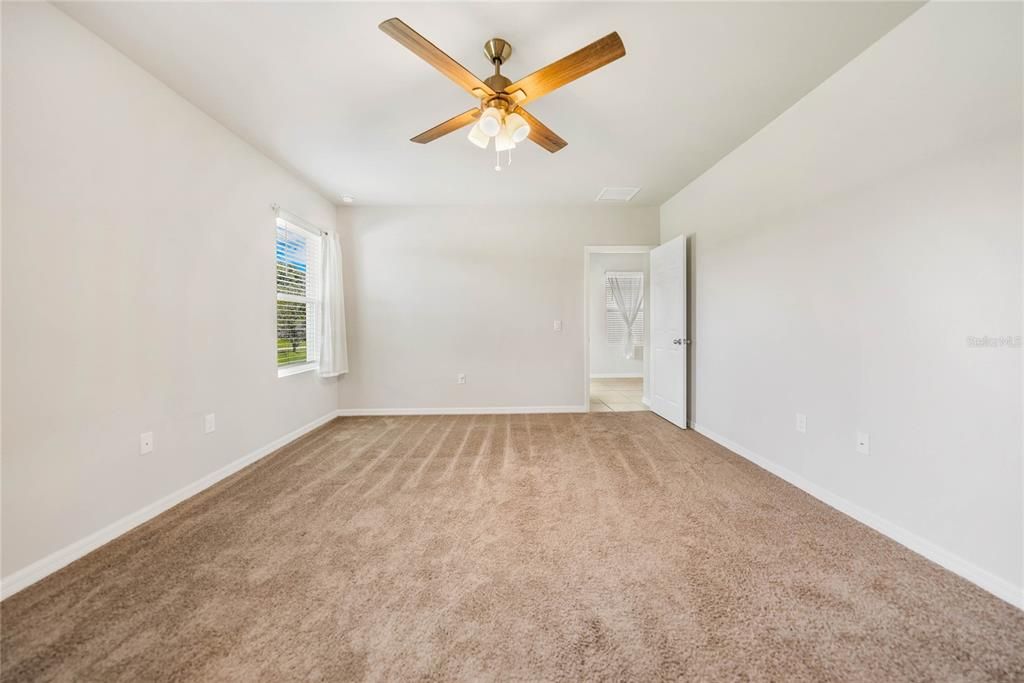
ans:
x=500 y=113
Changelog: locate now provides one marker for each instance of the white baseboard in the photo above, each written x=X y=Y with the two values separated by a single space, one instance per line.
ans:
x=997 y=586
x=26 y=576
x=616 y=375
x=37 y=570
x=525 y=410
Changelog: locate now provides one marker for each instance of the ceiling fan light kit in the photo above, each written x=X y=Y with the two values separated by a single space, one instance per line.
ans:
x=503 y=141
x=478 y=137
x=490 y=121
x=518 y=128
x=499 y=113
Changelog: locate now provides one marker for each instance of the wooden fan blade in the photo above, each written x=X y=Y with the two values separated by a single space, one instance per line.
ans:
x=568 y=69
x=541 y=134
x=449 y=126
x=431 y=54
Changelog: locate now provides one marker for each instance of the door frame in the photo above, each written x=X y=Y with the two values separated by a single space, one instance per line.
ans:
x=605 y=249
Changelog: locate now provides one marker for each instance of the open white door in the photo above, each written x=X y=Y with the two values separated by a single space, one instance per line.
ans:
x=668 y=331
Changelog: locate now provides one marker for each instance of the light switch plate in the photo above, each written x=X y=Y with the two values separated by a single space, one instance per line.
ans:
x=210 y=423
x=146 y=443
x=801 y=422
x=558 y=326
x=461 y=379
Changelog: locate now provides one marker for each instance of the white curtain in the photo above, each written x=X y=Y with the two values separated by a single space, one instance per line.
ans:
x=333 y=347
x=629 y=299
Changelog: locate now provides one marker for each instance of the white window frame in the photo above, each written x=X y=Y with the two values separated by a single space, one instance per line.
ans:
x=311 y=234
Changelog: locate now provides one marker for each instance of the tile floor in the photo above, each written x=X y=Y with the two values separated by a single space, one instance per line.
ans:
x=616 y=395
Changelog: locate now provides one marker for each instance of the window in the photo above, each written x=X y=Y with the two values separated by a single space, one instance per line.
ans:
x=632 y=285
x=298 y=296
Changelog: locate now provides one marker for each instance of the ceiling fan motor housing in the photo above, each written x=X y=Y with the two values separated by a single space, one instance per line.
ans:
x=500 y=101
x=497 y=82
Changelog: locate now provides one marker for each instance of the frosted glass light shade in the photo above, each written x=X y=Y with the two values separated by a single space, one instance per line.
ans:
x=490 y=121
x=477 y=137
x=503 y=141
x=518 y=128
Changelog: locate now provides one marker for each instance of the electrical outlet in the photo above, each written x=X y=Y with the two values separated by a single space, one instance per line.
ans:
x=863 y=443
x=801 y=422
x=461 y=379
x=210 y=423
x=558 y=326
x=146 y=443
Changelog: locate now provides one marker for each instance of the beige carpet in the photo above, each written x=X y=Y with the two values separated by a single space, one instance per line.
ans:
x=576 y=547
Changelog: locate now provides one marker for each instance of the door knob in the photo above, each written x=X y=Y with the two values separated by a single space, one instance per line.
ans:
x=677 y=342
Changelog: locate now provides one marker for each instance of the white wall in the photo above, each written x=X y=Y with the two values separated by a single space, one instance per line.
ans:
x=433 y=292
x=606 y=359
x=138 y=289
x=842 y=256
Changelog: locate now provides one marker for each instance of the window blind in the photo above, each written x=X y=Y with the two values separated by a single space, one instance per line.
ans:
x=615 y=327
x=298 y=293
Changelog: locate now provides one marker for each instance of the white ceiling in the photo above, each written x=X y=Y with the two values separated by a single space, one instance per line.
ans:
x=318 y=88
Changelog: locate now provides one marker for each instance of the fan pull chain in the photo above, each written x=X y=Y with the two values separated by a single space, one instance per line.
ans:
x=497 y=157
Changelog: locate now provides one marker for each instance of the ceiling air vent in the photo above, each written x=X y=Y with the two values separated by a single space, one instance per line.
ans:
x=617 y=194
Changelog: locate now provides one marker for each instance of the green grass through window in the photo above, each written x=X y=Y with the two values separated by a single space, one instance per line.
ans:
x=289 y=353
